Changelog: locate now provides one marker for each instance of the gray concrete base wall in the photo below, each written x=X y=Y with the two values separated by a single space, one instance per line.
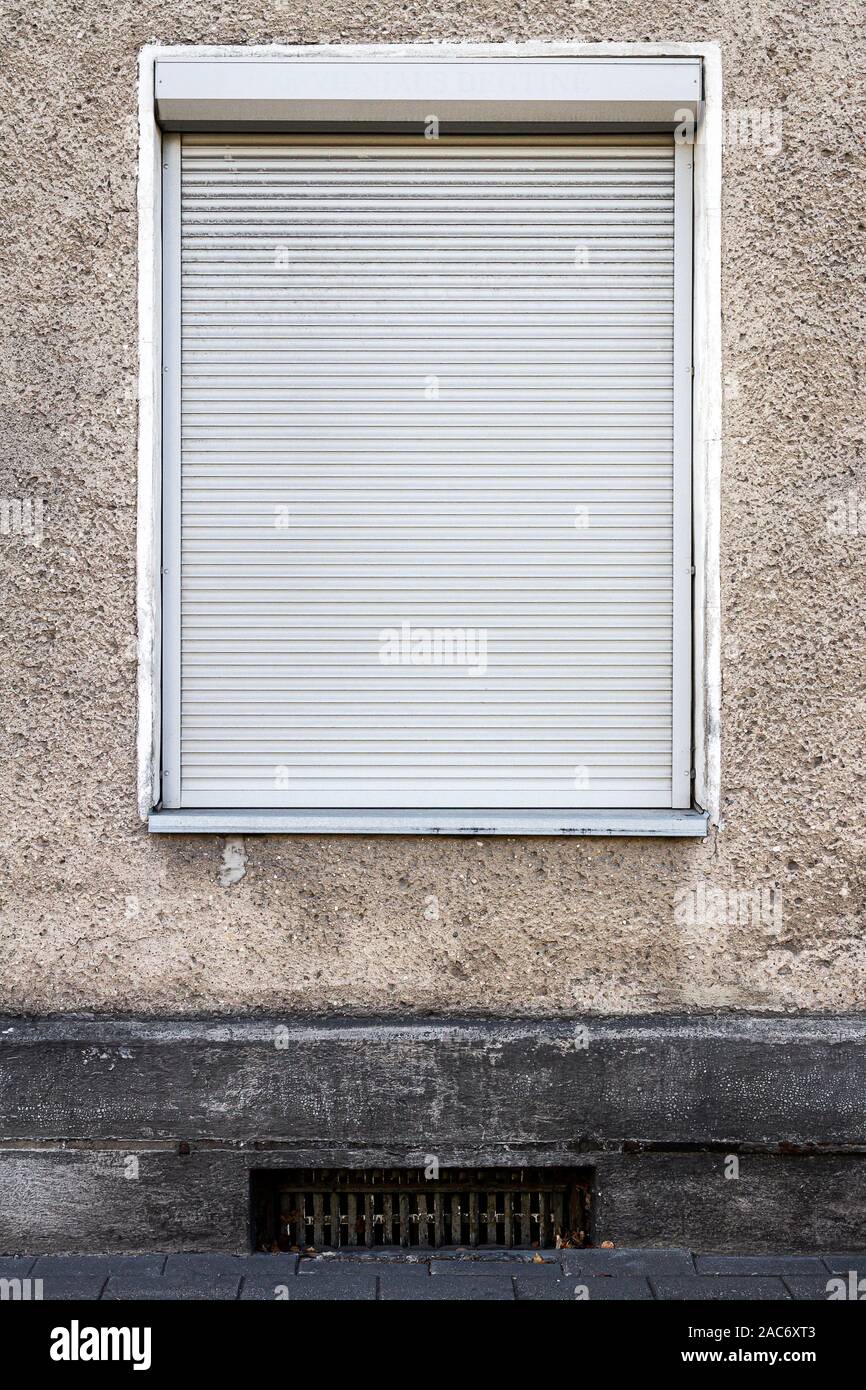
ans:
x=718 y=1133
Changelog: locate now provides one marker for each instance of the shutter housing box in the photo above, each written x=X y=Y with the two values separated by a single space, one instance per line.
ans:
x=502 y=92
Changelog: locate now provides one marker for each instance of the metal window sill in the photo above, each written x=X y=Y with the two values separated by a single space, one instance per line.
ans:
x=655 y=822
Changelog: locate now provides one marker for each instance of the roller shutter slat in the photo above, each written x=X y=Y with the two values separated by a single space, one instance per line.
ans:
x=322 y=285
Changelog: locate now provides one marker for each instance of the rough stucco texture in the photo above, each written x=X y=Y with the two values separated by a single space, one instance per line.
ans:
x=98 y=915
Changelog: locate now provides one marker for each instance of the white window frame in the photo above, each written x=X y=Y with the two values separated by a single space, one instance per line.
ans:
x=704 y=718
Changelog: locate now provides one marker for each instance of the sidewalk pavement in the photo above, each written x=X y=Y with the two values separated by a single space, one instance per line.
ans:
x=461 y=1275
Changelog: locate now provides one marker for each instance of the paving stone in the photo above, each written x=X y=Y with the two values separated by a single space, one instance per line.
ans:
x=254 y=1287
x=498 y=1269
x=483 y=1288
x=317 y=1268
x=334 y=1286
x=598 y=1288
x=795 y=1265
x=56 y=1288
x=840 y=1264
x=853 y=1285
x=16 y=1266
x=187 y=1266
x=809 y=1288
x=719 y=1289
x=71 y=1266
x=345 y=1269
x=193 y=1286
x=670 y=1263
x=263 y=1266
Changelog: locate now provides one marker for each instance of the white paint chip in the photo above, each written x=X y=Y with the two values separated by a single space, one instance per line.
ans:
x=234 y=864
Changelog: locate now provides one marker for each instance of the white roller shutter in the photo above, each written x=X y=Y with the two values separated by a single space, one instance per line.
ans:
x=426 y=543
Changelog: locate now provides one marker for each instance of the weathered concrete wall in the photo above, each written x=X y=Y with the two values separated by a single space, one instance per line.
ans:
x=162 y=1122
x=98 y=915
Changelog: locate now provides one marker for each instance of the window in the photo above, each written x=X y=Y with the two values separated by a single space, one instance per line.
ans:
x=426 y=448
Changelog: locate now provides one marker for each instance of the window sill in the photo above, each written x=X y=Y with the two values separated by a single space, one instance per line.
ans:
x=299 y=822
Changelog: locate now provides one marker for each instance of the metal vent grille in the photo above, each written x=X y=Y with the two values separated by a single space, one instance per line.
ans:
x=493 y=1208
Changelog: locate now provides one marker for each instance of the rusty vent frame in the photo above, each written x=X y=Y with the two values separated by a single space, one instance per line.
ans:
x=534 y=1208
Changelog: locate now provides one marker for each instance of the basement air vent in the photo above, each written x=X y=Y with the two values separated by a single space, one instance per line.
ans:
x=490 y=1208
